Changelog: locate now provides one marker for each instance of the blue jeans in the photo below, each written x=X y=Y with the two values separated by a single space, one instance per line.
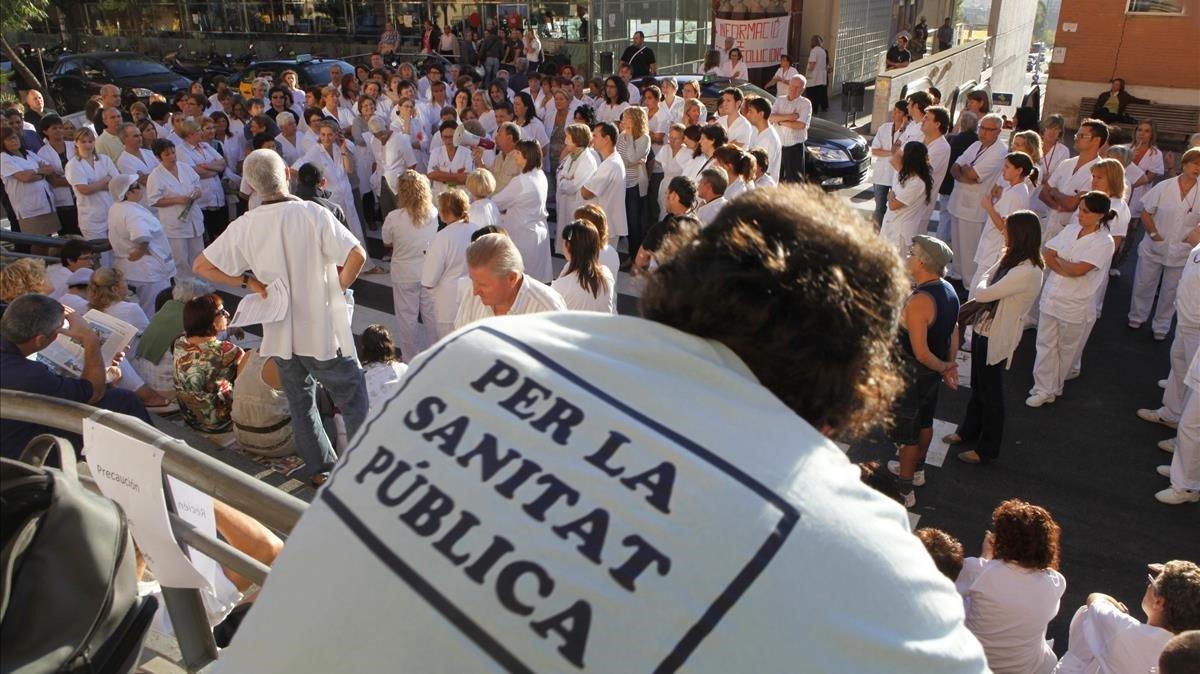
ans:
x=881 y=192
x=491 y=66
x=343 y=379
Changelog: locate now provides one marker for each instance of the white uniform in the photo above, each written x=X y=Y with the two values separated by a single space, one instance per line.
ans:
x=572 y=173
x=1008 y=608
x=607 y=112
x=801 y=106
x=768 y=139
x=1066 y=303
x=63 y=196
x=967 y=217
x=130 y=224
x=439 y=160
x=673 y=165
x=607 y=183
x=882 y=172
x=1187 y=339
x=1069 y=178
x=140 y=165
x=1185 y=464
x=409 y=243
x=900 y=225
x=535 y=131
x=337 y=182
x=739 y=131
x=288 y=150
x=708 y=212
x=578 y=298
x=939 y=164
x=736 y=72
x=1174 y=216
x=1106 y=639
x=484 y=213
x=522 y=205
x=818 y=73
x=212 y=193
x=784 y=75
x=93 y=208
x=1046 y=167
x=445 y=264
x=991 y=244
x=186 y=236
x=1151 y=162
x=29 y=199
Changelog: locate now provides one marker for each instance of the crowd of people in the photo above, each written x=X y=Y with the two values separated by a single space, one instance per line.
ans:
x=464 y=192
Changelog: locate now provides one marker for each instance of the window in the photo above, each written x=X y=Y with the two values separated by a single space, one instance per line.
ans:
x=1154 y=7
x=122 y=68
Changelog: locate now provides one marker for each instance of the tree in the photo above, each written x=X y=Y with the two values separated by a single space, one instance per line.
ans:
x=16 y=16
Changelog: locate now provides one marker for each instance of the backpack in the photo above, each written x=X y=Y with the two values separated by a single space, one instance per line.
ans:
x=68 y=586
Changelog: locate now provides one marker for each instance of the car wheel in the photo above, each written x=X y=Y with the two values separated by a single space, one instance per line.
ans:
x=60 y=104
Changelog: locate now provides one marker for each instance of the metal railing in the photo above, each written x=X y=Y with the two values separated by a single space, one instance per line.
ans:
x=277 y=510
x=20 y=238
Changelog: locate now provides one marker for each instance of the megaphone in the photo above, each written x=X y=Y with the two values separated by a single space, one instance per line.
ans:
x=464 y=138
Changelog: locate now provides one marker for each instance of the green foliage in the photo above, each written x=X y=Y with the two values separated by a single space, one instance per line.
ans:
x=16 y=15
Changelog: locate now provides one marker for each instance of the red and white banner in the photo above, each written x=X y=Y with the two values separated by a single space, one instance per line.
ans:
x=762 y=41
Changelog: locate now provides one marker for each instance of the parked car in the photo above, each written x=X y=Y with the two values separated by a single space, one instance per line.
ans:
x=837 y=157
x=78 y=77
x=312 y=72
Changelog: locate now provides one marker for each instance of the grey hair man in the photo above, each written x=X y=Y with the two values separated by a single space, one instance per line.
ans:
x=295 y=247
x=499 y=284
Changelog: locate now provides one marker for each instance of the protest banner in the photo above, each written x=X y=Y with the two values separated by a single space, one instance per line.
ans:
x=762 y=41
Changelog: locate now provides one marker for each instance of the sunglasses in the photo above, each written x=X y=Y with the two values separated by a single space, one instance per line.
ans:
x=223 y=312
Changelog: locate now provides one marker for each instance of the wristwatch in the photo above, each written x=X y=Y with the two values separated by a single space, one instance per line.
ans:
x=245 y=279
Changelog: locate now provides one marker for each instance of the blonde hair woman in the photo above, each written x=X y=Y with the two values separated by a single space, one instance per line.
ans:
x=408 y=231
x=482 y=185
x=1149 y=159
x=633 y=145
x=446 y=257
x=24 y=276
x=107 y=292
x=89 y=172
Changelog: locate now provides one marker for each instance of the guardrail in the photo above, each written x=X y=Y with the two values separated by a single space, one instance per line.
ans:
x=275 y=509
x=20 y=238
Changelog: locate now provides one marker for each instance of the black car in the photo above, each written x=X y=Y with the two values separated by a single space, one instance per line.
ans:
x=837 y=157
x=312 y=72
x=78 y=77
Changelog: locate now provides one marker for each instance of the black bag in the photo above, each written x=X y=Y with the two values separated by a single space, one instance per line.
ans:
x=68 y=586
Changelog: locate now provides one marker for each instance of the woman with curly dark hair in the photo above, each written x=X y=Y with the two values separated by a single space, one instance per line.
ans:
x=1012 y=589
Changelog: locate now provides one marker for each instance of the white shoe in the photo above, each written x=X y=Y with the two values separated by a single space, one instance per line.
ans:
x=1165 y=471
x=1170 y=496
x=1135 y=325
x=1114 y=273
x=1039 y=399
x=1073 y=374
x=1155 y=418
x=910 y=499
x=1162 y=383
x=1167 y=445
x=918 y=476
x=1160 y=336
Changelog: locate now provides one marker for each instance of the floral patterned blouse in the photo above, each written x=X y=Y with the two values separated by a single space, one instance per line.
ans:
x=204 y=375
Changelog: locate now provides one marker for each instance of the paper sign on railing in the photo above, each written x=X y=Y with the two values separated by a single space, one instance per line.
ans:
x=129 y=472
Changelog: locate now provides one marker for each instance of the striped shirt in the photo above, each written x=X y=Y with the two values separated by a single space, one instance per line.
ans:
x=533 y=297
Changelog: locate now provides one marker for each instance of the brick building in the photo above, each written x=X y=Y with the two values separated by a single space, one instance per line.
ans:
x=1154 y=45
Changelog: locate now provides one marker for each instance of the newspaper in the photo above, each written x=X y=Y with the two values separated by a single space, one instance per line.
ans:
x=254 y=309
x=65 y=355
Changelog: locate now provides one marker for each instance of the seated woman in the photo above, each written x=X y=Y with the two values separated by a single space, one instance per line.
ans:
x=153 y=358
x=262 y=422
x=205 y=366
x=382 y=370
x=1012 y=589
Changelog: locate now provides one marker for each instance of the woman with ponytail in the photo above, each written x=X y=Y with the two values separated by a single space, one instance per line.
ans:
x=739 y=166
x=1016 y=175
x=1007 y=290
x=585 y=285
x=910 y=195
x=1078 y=259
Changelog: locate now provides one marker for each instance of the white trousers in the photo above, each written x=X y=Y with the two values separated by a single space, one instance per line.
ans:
x=444 y=329
x=147 y=291
x=1185 y=464
x=185 y=252
x=964 y=241
x=1145 y=283
x=1183 y=348
x=1057 y=341
x=411 y=299
x=943 y=213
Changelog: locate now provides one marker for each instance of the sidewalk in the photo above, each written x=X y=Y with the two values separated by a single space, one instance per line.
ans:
x=858 y=121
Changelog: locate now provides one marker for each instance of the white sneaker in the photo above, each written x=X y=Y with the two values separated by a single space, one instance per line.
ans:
x=1162 y=383
x=1155 y=418
x=1073 y=374
x=1170 y=496
x=1135 y=325
x=918 y=476
x=1167 y=445
x=1039 y=399
x=910 y=499
x=1114 y=273
x=1160 y=336
x=1165 y=471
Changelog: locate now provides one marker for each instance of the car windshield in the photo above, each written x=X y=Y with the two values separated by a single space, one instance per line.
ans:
x=318 y=73
x=121 y=68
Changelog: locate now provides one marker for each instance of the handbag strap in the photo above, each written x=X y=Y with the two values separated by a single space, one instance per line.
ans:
x=39 y=448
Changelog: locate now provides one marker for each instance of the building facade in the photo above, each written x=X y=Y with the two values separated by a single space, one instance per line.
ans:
x=1154 y=45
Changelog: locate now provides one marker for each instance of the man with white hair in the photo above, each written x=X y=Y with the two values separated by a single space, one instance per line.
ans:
x=299 y=245
x=499 y=285
x=287 y=143
x=791 y=115
x=974 y=174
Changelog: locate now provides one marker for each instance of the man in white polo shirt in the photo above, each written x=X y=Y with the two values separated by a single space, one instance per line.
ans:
x=736 y=126
x=758 y=112
x=1073 y=177
x=576 y=492
x=791 y=115
x=300 y=245
x=606 y=186
x=974 y=174
x=497 y=285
